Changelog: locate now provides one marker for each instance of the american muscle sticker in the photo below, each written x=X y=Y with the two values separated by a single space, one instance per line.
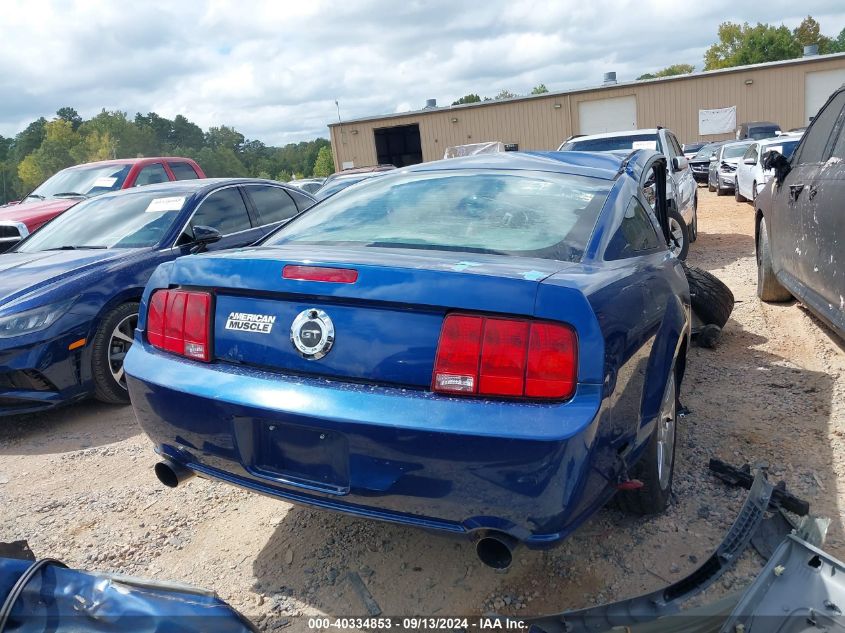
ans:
x=247 y=322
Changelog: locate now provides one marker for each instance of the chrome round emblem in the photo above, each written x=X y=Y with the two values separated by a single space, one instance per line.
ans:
x=312 y=333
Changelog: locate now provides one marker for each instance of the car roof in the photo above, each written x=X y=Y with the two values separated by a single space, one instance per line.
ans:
x=198 y=185
x=616 y=134
x=129 y=161
x=604 y=165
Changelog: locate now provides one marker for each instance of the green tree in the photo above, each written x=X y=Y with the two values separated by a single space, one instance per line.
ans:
x=161 y=127
x=505 y=94
x=29 y=140
x=220 y=163
x=838 y=45
x=470 y=98
x=224 y=136
x=809 y=32
x=539 y=89
x=70 y=115
x=324 y=165
x=186 y=134
x=669 y=71
x=741 y=44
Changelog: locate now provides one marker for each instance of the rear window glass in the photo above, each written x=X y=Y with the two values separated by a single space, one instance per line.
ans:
x=611 y=144
x=763 y=132
x=183 y=171
x=705 y=152
x=525 y=213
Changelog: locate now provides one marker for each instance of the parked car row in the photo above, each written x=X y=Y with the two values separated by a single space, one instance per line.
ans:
x=68 y=186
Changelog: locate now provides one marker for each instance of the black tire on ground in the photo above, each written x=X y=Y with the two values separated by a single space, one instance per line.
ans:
x=682 y=248
x=656 y=493
x=720 y=190
x=737 y=195
x=104 y=350
x=710 y=187
x=710 y=299
x=768 y=287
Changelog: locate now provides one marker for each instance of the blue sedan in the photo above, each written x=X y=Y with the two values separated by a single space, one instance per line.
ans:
x=490 y=346
x=69 y=293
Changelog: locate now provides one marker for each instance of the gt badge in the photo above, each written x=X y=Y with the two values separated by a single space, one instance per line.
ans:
x=312 y=333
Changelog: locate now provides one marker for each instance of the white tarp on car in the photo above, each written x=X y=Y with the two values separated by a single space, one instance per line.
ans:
x=717 y=121
x=474 y=148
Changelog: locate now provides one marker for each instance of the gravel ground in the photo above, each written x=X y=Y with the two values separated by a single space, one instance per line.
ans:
x=78 y=484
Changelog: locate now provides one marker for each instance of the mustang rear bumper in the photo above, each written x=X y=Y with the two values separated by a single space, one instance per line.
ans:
x=401 y=455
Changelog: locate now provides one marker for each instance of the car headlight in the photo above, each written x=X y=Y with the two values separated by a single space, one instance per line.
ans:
x=32 y=320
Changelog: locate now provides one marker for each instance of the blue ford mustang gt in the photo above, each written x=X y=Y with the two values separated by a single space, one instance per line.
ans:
x=490 y=346
x=69 y=293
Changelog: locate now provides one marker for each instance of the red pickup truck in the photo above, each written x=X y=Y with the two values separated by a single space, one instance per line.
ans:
x=69 y=186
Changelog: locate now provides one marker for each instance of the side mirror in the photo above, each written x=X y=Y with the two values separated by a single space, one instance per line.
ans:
x=203 y=236
x=750 y=161
x=679 y=163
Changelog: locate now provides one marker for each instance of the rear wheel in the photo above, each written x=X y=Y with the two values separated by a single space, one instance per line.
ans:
x=710 y=186
x=657 y=466
x=678 y=235
x=768 y=286
x=737 y=195
x=112 y=341
x=720 y=190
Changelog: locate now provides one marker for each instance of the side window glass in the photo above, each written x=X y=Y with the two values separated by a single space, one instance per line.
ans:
x=183 y=171
x=649 y=187
x=817 y=137
x=151 y=174
x=839 y=148
x=272 y=203
x=636 y=234
x=302 y=202
x=223 y=210
x=749 y=153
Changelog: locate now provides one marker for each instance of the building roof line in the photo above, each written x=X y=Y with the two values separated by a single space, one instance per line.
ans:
x=601 y=87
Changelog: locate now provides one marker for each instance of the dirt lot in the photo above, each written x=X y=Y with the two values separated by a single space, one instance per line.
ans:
x=78 y=484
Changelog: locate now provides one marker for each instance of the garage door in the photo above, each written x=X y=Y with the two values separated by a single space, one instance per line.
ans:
x=607 y=115
x=818 y=86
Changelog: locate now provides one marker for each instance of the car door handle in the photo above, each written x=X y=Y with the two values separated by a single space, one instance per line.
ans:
x=795 y=191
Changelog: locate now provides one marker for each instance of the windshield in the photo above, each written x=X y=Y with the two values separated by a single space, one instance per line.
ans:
x=128 y=220
x=83 y=181
x=763 y=132
x=705 y=152
x=786 y=148
x=735 y=151
x=611 y=143
x=526 y=213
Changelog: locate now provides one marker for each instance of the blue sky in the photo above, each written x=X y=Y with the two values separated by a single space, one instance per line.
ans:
x=273 y=70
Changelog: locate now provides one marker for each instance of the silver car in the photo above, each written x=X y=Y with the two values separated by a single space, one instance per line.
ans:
x=683 y=194
x=722 y=172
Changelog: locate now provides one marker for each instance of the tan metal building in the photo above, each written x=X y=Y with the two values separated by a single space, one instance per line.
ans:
x=787 y=93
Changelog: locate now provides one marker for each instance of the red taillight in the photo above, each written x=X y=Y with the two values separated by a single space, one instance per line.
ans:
x=179 y=321
x=320 y=273
x=492 y=356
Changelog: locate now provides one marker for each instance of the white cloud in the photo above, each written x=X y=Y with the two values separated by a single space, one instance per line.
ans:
x=274 y=69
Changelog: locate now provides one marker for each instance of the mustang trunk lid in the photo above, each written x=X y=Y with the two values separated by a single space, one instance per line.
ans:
x=386 y=324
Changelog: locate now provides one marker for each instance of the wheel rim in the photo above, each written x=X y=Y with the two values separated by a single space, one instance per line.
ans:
x=666 y=434
x=119 y=344
x=677 y=233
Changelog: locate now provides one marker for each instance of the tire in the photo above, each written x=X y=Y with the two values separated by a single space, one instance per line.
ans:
x=720 y=190
x=710 y=187
x=108 y=351
x=710 y=299
x=679 y=235
x=656 y=467
x=768 y=287
x=737 y=195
